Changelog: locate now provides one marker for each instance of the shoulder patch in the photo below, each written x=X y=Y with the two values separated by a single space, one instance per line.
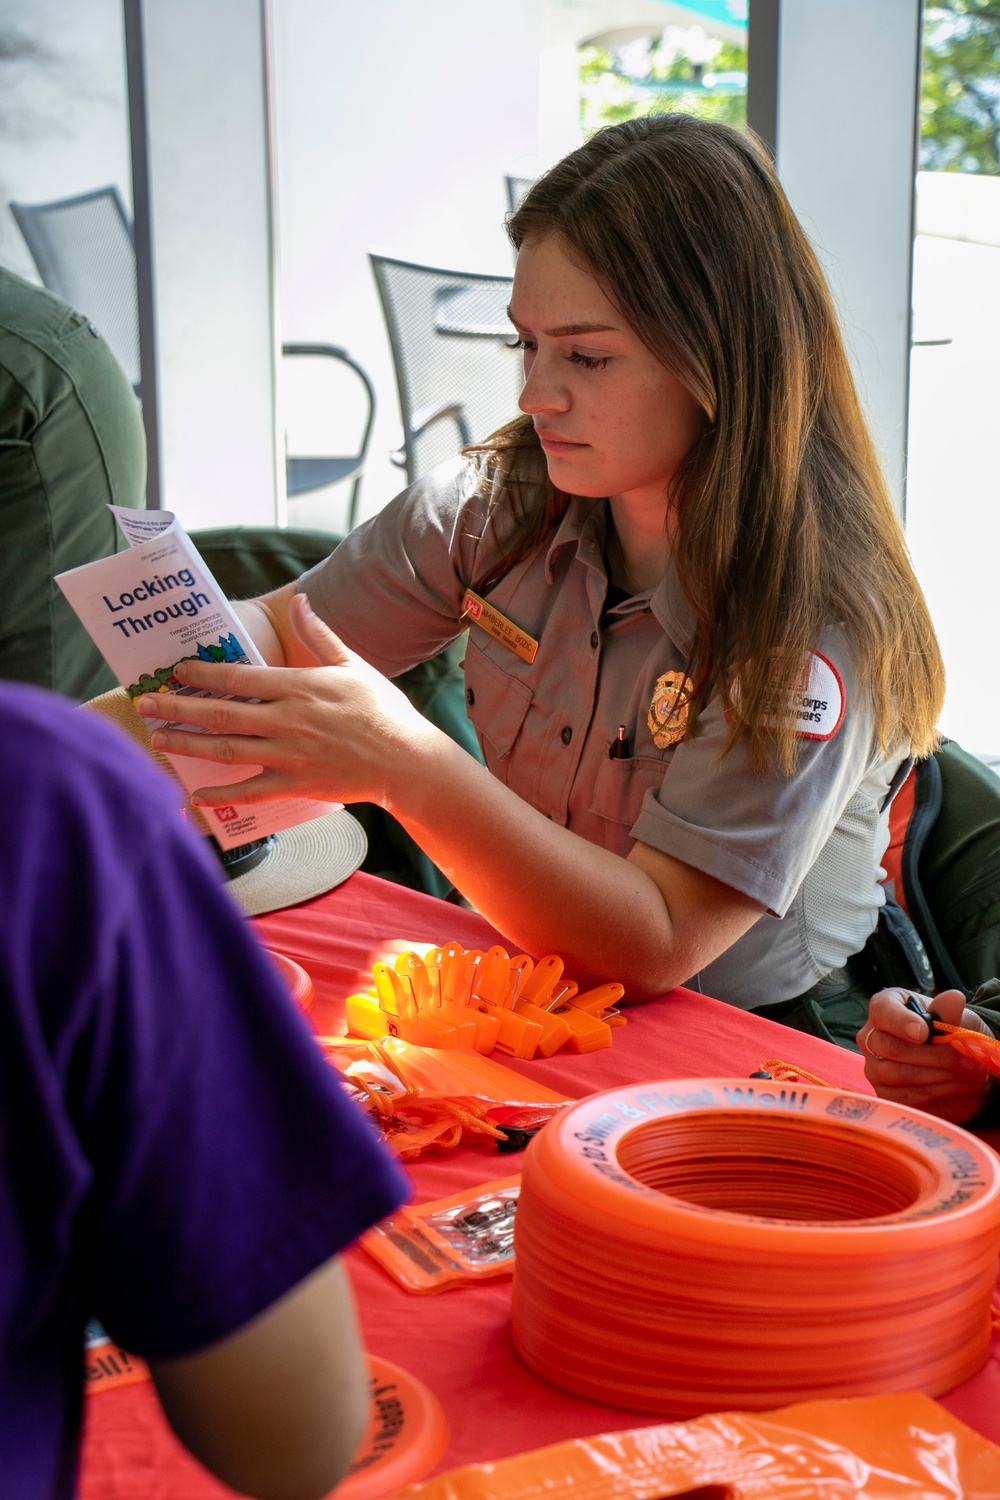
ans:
x=818 y=707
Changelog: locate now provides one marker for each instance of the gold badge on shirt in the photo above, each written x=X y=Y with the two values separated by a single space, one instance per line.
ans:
x=668 y=712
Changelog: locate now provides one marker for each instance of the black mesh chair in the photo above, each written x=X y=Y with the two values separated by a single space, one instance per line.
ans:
x=85 y=253
x=517 y=190
x=457 y=377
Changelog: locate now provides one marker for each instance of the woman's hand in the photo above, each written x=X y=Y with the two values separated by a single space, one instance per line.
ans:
x=338 y=731
x=902 y=1066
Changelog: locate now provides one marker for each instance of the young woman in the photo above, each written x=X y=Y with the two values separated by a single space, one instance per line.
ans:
x=686 y=535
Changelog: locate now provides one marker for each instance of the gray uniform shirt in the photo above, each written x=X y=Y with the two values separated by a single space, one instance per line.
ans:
x=806 y=846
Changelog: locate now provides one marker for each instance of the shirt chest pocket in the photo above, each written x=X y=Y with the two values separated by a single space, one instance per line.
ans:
x=619 y=789
x=497 y=704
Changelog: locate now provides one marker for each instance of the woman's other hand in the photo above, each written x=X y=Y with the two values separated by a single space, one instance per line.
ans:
x=338 y=731
x=901 y=1065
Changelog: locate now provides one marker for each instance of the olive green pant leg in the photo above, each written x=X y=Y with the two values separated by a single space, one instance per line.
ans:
x=835 y=1009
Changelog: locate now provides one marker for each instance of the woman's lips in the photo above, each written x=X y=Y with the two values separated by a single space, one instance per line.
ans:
x=552 y=443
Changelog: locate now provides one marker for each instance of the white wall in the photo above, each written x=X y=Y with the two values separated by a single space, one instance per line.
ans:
x=953 y=487
x=212 y=261
x=846 y=133
x=396 y=124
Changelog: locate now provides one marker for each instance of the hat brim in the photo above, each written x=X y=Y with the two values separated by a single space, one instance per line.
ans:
x=302 y=862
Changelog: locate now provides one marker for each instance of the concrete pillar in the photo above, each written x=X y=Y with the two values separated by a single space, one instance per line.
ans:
x=205 y=241
x=834 y=90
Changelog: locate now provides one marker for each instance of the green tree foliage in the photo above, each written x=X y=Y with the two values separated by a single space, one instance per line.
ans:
x=674 y=81
x=960 y=105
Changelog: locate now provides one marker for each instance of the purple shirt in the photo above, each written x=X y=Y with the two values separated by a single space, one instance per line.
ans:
x=176 y=1154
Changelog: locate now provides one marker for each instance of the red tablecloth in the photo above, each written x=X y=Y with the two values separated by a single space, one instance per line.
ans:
x=459 y=1342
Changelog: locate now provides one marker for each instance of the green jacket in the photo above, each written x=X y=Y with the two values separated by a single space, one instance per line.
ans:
x=71 y=441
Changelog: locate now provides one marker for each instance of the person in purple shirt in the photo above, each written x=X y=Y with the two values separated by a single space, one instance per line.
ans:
x=178 y=1160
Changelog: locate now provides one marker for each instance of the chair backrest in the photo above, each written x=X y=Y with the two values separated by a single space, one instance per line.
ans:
x=457 y=377
x=517 y=190
x=85 y=253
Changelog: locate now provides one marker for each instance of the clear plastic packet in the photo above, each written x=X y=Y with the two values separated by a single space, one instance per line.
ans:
x=454 y=1241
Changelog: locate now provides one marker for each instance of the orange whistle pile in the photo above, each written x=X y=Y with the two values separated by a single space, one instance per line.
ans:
x=452 y=996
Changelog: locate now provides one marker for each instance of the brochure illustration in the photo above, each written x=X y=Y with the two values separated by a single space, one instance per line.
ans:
x=155 y=605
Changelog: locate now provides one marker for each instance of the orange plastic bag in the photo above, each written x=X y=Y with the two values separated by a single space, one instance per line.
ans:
x=434 y=1099
x=900 y=1447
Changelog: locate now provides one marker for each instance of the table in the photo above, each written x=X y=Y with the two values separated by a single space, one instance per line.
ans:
x=459 y=1342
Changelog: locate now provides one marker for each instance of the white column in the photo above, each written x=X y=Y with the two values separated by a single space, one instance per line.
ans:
x=210 y=308
x=847 y=78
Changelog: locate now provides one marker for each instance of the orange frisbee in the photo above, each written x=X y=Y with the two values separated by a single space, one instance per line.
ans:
x=407 y=1434
x=745 y=1245
x=297 y=979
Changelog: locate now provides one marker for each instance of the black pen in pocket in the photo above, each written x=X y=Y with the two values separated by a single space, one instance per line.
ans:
x=618 y=749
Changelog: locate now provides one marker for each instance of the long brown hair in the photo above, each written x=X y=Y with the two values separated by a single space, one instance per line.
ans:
x=784 y=524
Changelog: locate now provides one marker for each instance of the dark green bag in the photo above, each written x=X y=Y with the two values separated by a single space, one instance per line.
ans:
x=948 y=935
x=951 y=867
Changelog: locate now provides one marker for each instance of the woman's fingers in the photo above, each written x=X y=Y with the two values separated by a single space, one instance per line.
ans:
x=225 y=677
x=943 y=1066
x=215 y=715
x=888 y=1014
x=902 y=1063
x=339 y=731
x=262 y=788
x=227 y=749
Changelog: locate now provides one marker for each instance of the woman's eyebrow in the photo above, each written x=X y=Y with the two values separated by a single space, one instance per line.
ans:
x=568 y=330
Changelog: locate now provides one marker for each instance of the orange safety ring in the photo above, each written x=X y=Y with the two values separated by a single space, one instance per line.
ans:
x=688 y=1246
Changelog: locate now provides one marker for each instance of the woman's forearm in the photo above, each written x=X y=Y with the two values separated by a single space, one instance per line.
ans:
x=549 y=890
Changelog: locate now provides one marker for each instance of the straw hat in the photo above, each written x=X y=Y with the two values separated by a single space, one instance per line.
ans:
x=282 y=870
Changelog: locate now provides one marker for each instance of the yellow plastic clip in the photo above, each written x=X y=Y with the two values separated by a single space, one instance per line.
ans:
x=365 y=1017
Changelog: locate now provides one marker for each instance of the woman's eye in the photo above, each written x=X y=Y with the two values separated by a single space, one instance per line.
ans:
x=589 y=361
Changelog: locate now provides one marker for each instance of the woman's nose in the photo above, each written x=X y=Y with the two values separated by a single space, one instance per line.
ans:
x=543 y=390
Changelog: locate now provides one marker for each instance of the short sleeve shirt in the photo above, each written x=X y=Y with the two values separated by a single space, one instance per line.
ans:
x=176 y=1153
x=806 y=846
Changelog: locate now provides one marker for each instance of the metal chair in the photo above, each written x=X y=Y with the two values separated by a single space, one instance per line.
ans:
x=457 y=377
x=517 y=190
x=306 y=474
x=85 y=252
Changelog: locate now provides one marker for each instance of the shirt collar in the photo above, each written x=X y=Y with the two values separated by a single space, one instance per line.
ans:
x=585 y=528
x=672 y=608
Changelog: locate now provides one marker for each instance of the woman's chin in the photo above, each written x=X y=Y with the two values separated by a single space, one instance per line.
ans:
x=569 y=478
